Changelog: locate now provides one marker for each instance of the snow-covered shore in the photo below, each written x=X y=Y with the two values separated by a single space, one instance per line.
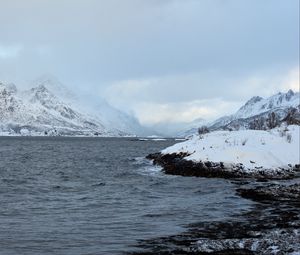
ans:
x=253 y=148
x=229 y=154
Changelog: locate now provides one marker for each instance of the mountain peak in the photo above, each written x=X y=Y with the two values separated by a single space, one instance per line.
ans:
x=53 y=85
x=257 y=105
x=40 y=89
x=289 y=94
x=254 y=100
x=46 y=109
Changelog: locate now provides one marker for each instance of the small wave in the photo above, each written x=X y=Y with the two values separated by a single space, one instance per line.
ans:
x=146 y=166
x=141 y=161
x=99 y=184
x=156 y=215
x=151 y=169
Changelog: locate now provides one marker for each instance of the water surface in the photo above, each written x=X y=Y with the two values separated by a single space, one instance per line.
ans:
x=98 y=196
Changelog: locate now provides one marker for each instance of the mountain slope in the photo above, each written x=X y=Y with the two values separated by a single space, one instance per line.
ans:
x=261 y=114
x=258 y=105
x=39 y=112
x=95 y=106
x=258 y=113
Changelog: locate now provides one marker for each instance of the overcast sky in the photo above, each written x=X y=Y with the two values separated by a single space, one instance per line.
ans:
x=161 y=60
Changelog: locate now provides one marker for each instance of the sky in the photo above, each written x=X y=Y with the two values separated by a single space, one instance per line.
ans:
x=163 y=61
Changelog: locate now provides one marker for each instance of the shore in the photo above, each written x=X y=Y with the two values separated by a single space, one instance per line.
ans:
x=272 y=226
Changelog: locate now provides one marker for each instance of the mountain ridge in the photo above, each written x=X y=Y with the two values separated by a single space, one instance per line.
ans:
x=256 y=113
x=38 y=111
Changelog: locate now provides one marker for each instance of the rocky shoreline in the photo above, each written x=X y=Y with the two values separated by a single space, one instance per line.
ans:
x=176 y=164
x=271 y=227
x=264 y=230
x=273 y=193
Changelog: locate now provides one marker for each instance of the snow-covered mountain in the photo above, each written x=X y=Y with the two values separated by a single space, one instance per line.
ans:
x=38 y=111
x=258 y=105
x=93 y=105
x=260 y=113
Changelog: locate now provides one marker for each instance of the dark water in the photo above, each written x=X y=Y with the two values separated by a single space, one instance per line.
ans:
x=98 y=196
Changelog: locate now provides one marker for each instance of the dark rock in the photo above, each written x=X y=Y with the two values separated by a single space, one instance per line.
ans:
x=176 y=164
x=264 y=230
x=273 y=192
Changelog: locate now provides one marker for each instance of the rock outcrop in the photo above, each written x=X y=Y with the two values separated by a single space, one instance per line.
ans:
x=176 y=164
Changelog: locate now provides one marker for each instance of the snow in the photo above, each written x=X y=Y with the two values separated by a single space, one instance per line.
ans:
x=258 y=105
x=253 y=148
x=50 y=109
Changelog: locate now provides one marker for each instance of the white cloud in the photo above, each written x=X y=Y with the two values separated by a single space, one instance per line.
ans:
x=184 y=98
x=10 y=51
x=185 y=112
x=129 y=88
x=292 y=80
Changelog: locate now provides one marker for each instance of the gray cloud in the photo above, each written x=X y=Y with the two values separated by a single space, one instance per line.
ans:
x=179 y=50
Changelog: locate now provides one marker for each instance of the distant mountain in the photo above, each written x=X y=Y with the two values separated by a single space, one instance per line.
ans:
x=112 y=117
x=40 y=111
x=258 y=105
x=259 y=113
x=192 y=127
x=177 y=129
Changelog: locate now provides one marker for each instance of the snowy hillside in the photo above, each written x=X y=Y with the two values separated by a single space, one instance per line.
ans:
x=38 y=111
x=110 y=117
x=258 y=105
x=254 y=149
x=256 y=113
x=259 y=109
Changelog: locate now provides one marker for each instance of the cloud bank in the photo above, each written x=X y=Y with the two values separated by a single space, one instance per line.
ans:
x=163 y=61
